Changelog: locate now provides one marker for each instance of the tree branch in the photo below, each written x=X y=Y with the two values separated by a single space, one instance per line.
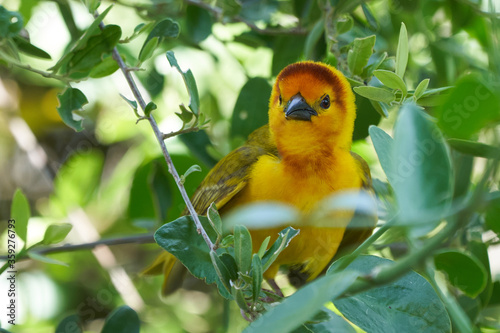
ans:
x=14 y=62
x=139 y=239
x=184 y=131
x=159 y=137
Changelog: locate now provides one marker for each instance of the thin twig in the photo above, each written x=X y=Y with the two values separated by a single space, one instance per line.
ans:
x=159 y=136
x=139 y=239
x=184 y=131
x=13 y=62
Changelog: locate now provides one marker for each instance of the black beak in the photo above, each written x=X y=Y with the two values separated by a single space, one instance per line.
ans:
x=298 y=109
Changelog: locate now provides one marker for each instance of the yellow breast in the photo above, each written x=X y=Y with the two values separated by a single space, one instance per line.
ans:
x=303 y=187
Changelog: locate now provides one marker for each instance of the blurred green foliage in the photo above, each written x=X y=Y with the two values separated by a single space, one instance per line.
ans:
x=430 y=86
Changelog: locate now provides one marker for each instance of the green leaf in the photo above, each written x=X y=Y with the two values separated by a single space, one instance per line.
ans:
x=105 y=68
x=402 y=51
x=470 y=106
x=256 y=277
x=243 y=248
x=344 y=24
x=422 y=171
x=287 y=49
x=366 y=115
x=258 y=10
x=148 y=49
x=480 y=250
x=181 y=239
x=160 y=190
x=372 y=21
x=39 y=257
x=20 y=212
x=249 y=111
x=345 y=6
x=91 y=55
x=437 y=91
x=133 y=104
x=214 y=218
x=284 y=238
x=71 y=100
x=194 y=99
x=391 y=80
x=11 y=23
x=421 y=88
x=313 y=38
x=492 y=217
x=78 y=180
x=375 y=94
x=70 y=324
x=263 y=247
x=333 y=324
x=381 y=108
x=474 y=148
x=166 y=28
x=82 y=42
x=409 y=304
x=384 y=146
x=199 y=145
x=358 y=56
x=198 y=24
x=150 y=108
x=185 y=114
x=239 y=298
x=303 y=304
x=374 y=63
x=464 y=271
x=139 y=29
x=122 y=320
x=230 y=264
x=227 y=241
x=151 y=195
x=92 y=5
x=192 y=168
x=56 y=233
x=26 y=47
x=221 y=270
x=229 y=7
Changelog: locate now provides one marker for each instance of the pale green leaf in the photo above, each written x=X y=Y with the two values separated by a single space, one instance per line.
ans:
x=402 y=51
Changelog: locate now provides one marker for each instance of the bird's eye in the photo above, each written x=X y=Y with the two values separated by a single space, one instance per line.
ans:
x=280 y=100
x=325 y=103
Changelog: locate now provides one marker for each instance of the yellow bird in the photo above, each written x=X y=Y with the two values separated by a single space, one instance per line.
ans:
x=300 y=158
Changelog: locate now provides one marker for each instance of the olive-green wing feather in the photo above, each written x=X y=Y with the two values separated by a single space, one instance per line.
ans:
x=230 y=175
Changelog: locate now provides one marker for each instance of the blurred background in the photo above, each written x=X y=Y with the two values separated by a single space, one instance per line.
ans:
x=110 y=180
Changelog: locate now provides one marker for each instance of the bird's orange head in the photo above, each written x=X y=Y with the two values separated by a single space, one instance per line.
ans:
x=311 y=110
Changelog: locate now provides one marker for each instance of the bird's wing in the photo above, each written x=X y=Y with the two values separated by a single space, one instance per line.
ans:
x=366 y=177
x=230 y=175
